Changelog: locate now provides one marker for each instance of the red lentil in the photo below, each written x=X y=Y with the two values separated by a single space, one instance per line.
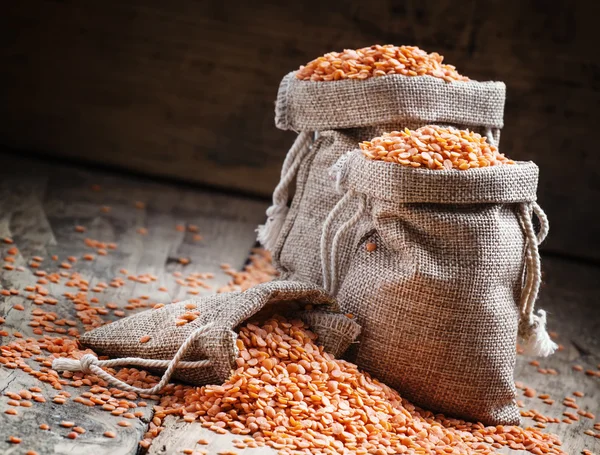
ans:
x=529 y=392
x=371 y=247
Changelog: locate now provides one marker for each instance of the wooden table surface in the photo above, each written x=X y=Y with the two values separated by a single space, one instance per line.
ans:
x=41 y=202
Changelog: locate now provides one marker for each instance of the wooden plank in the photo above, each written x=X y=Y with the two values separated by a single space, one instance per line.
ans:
x=186 y=89
x=39 y=206
x=570 y=296
x=179 y=435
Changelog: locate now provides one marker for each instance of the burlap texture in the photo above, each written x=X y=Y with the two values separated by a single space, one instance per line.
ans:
x=437 y=299
x=226 y=311
x=318 y=106
x=347 y=112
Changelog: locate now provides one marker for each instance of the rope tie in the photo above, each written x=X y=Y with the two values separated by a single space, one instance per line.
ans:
x=277 y=212
x=490 y=136
x=333 y=282
x=326 y=235
x=330 y=247
x=90 y=364
x=532 y=327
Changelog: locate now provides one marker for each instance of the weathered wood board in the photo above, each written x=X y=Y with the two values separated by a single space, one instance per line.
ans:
x=39 y=207
x=41 y=203
x=186 y=89
x=570 y=295
x=179 y=435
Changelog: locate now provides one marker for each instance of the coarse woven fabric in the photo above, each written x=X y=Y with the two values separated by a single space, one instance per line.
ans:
x=226 y=311
x=309 y=105
x=345 y=113
x=437 y=299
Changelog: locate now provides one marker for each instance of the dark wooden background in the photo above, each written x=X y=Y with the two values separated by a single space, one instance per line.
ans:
x=185 y=89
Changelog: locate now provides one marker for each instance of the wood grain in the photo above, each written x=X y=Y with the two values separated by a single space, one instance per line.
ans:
x=39 y=206
x=41 y=203
x=179 y=435
x=570 y=296
x=186 y=89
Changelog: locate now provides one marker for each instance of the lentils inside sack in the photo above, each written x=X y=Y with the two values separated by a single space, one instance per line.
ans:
x=378 y=61
x=434 y=147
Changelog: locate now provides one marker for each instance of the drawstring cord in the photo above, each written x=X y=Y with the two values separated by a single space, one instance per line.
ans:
x=532 y=327
x=490 y=136
x=89 y=363
x=333 y=282
x=329 y=246
x=325 y=236
x=277 y=212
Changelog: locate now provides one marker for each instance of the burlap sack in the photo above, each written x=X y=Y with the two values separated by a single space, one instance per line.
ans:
x=439 y=292
x=339 y=115
x=203 y=351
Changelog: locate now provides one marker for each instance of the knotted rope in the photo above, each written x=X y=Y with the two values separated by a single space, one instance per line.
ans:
x=89 y=363
x=532 y=327
x=277 y=212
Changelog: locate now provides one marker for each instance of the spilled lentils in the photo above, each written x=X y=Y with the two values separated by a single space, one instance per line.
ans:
x=287 y=393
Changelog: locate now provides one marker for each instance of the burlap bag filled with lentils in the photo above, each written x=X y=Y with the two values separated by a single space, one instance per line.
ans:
x=331 y=118
x=203 y=350
x=441 y=269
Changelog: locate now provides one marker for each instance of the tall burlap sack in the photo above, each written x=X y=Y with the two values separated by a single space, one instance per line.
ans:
x=340 y=114
x=442 y=297
x=203 y=351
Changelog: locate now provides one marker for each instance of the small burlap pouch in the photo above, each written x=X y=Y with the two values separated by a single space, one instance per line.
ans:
x=203 y=351
x=448 y=282
x=331 y=118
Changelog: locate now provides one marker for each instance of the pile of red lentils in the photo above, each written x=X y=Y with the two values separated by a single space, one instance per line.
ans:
x=434 y=147
x=286 y=393
x=376 y=61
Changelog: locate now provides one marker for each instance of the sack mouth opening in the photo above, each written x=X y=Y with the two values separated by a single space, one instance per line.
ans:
x=421 y=77
x=394 y=182
x=316 y=105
